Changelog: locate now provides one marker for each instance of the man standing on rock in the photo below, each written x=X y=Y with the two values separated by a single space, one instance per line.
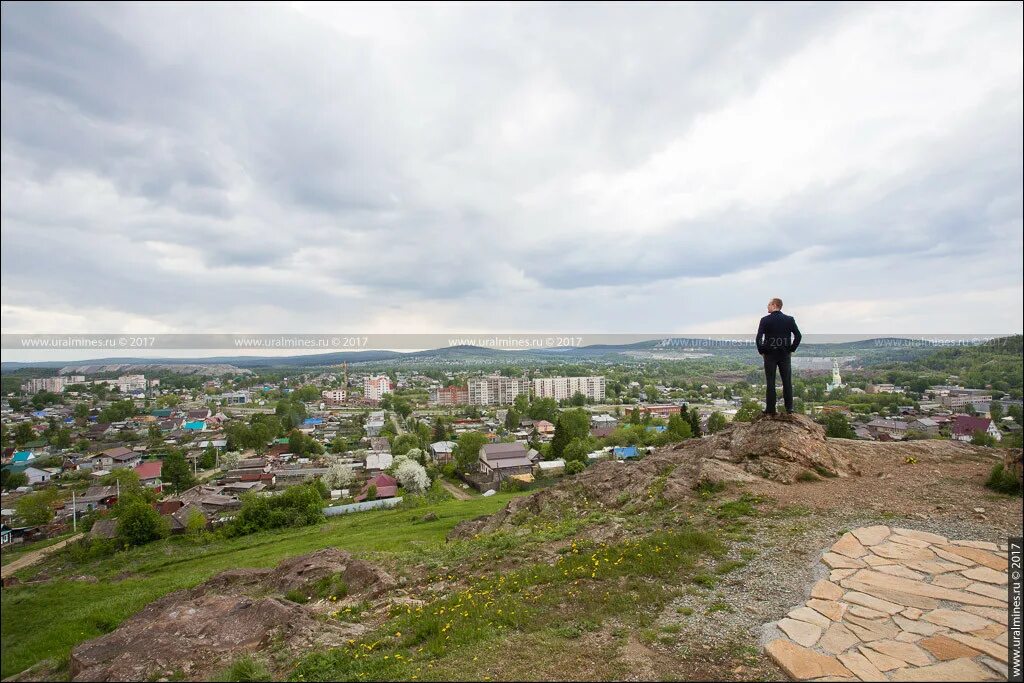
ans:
x=777 y=337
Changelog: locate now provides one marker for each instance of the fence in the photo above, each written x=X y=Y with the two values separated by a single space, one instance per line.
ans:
x=362 y=507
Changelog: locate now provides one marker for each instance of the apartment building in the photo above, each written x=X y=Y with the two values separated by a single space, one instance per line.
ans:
x=333 y=395
x=561 y=388
x=449 y=396
x=52 y=384
x=375 y=387
x=496 y=390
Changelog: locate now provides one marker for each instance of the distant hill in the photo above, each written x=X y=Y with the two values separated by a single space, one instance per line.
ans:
x=869 y=352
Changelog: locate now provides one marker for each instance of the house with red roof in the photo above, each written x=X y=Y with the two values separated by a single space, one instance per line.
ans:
x=387 y=487
x=149 y=473
x=965 y=426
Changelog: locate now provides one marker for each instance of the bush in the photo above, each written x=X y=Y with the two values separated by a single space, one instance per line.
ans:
x=296 y=506
x=1003 y=481
x=138 y=524
x=511 y=485
x=574 y=467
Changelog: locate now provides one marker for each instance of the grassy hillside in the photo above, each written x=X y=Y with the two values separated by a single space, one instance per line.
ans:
x=46 y=620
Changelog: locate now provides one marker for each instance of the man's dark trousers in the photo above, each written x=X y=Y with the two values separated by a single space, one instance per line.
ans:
x=780 y=361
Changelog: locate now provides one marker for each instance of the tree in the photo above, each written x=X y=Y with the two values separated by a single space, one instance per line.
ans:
x=138 y=523
x=512 y=418
x=837 y=426
x=339 y=476
x=695 y=423
x=371 y=492
x=716 y=422
x=177 y=472
x=36 y=509
x=403 y=443
x=679 y=427
x=572 y=424
x=748 y=412
x=229 y=460
x=543 y=409
x=467 y=450
x=412 y=476
x=24 y=433
x=12 y=480
x=995 y=411
x=195 y=524
x=576 y=451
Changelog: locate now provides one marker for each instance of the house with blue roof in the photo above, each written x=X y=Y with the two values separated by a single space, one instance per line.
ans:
x=195 y=426
x=313 y=421
x=656 y=428
x=625 y=452
x=22 y=457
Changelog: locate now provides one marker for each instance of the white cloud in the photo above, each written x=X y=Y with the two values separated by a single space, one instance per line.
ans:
x=413 y=168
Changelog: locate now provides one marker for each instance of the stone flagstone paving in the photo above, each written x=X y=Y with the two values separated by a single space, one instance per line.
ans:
x=900 y=605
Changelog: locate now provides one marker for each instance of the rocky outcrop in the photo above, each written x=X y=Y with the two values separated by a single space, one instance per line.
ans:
x=196 y=633
x=785 y=450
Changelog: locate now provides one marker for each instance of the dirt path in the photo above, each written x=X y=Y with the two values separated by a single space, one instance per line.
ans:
x=31 y=558
x=455 y=490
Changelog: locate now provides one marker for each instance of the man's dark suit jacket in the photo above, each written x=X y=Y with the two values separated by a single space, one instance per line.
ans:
x=773 y=334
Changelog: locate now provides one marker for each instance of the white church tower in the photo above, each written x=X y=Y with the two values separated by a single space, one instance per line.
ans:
x=837 y=381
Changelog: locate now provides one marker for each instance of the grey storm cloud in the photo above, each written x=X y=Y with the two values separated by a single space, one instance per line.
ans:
x=459 y=166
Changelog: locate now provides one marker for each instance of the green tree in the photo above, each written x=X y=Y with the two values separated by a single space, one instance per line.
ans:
x=23 y=433
x=572 y=424
x=177 y=471
x=138 y=523
x=12 y=480
x=403 y=443
x=837 y=426
x=679 y=427
x=995 y=411
x=36 y=509
x=467 y=450
x=576 y=451
x=716 y=422
x=748 y=411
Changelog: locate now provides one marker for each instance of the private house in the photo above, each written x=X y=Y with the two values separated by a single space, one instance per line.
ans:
x=22 y=457
x=178 y=520
x=964 y=427
x=37 y=476
x=94 y=498
x=117 y=458
x=925 y=425
x=195 y=425
x=501 y=460
x=199 y=414
x=603 y=421
x=602 y=431
x=378 y=462
x=544 y=427
x=442 y=451
x=893 y=429
x=387 y=487
x=149 y=473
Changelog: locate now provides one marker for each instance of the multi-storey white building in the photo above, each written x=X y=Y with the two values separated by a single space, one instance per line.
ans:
x=375 y=387
x=496 y=390
x=333 y=395
x=52 y=384
x=561 y=388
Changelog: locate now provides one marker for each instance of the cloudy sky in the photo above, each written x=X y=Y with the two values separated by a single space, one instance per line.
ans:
x=520 y=168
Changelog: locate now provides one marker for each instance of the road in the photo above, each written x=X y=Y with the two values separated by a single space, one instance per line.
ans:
x=455 y=490
x=398 y=427
x=30 y=558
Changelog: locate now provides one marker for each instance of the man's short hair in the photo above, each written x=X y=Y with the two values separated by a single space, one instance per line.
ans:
x=777 y=301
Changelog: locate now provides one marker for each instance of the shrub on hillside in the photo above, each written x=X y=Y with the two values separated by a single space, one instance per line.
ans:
x=296 y=506
x=1003 y=480
x=574 y=467
x=138 y=524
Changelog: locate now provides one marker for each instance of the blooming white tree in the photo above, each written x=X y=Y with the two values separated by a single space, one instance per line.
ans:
x=412 y=476
x=338 y=476
x=229 y=461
